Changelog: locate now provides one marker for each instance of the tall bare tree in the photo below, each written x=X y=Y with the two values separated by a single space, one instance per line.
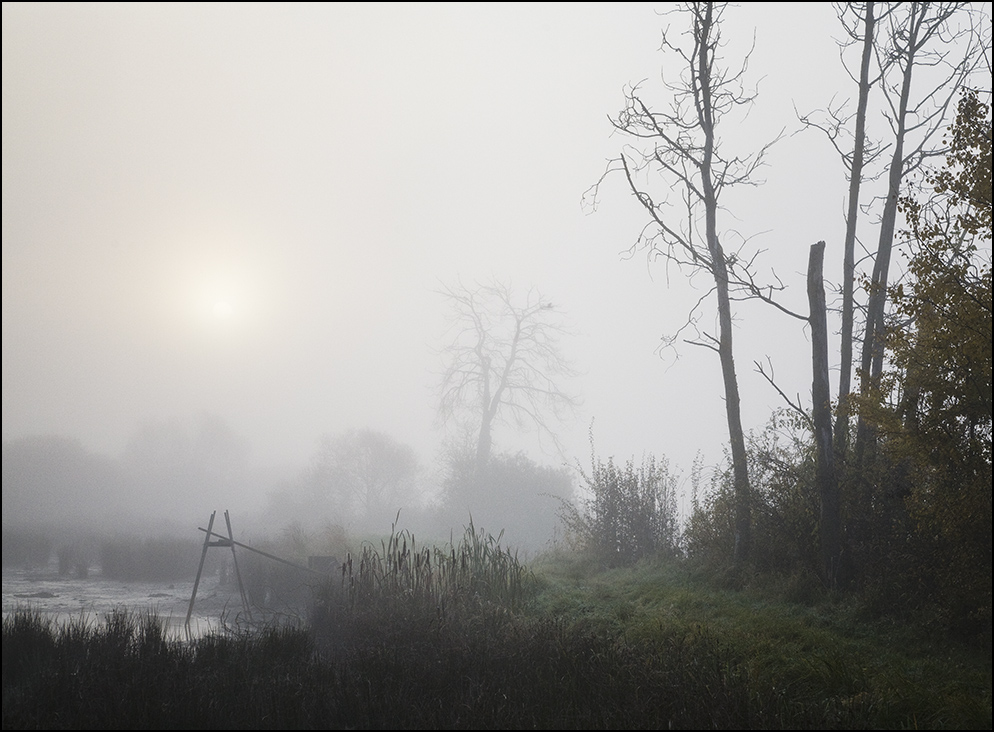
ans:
x=680 y=145
x=503 y=363
x=919 y=38
x=899 y=43
x=859 y=22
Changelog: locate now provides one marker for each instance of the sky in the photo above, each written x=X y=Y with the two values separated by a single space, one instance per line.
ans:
x=249 y=209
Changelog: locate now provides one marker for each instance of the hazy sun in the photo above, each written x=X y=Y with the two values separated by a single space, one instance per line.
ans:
x=222 y=310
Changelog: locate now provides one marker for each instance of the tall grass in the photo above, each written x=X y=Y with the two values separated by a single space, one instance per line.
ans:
x=404 y=595
x=476 y=569
x=463 y=636
x=123 y=674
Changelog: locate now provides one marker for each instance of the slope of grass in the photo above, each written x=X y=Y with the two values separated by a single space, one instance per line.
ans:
x=826 y=654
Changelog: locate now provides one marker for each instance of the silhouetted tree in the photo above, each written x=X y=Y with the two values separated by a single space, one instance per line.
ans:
x=681 y=146
x=503 y=363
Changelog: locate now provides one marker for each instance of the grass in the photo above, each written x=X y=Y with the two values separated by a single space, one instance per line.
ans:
x=477 y=569
x=464 y=636
x=826 y=655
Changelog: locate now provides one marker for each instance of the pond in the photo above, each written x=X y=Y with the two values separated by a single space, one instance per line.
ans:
x=44 y=590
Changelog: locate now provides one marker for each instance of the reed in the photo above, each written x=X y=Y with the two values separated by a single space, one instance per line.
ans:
x=477 y=569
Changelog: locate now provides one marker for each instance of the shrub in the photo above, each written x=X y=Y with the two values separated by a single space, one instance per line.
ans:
x=631 y=513
x=785 y=504
x=511 y=494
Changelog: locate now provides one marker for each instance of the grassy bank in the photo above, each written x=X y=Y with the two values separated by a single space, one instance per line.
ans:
x=465 y=637
x=826 y=658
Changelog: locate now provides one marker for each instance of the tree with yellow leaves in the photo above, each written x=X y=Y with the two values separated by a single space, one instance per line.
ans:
x=933 y=410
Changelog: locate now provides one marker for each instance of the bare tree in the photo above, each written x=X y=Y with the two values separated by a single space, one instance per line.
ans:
x=898 y=42
x=503 y=363
x=920 y=36
x=859 y=21
x=680 y=145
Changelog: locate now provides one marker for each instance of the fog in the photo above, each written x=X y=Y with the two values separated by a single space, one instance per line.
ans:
x=225 y=230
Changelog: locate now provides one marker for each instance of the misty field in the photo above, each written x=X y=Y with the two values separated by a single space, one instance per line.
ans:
x=464 y=635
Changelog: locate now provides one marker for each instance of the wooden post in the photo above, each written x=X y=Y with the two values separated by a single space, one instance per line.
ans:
x=238 y=575
x=221 y=541
x=200 y=569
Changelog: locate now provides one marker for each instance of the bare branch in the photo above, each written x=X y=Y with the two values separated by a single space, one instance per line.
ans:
x=794 y=405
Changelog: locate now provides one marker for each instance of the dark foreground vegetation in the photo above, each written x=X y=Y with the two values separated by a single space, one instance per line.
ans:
x=464 y=636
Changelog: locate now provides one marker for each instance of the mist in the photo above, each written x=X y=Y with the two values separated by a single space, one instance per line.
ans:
x=225 y=231
x=495 y=365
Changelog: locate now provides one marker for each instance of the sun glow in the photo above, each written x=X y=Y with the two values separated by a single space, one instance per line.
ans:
x=222 y=297
x=223 y=310
x=220 y=287
x=221 y=301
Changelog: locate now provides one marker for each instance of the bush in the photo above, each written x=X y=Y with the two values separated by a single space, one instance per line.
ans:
x=632 y=513
x=785 y=504
x=511 y=494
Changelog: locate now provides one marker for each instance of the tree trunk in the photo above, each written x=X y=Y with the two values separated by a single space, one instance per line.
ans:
x=484 y=440
x=828 y=487
x=491 y=403
x=483 y=444
x=740 y=465
x=849 y=256
x=872 y=355
x=719 y=269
